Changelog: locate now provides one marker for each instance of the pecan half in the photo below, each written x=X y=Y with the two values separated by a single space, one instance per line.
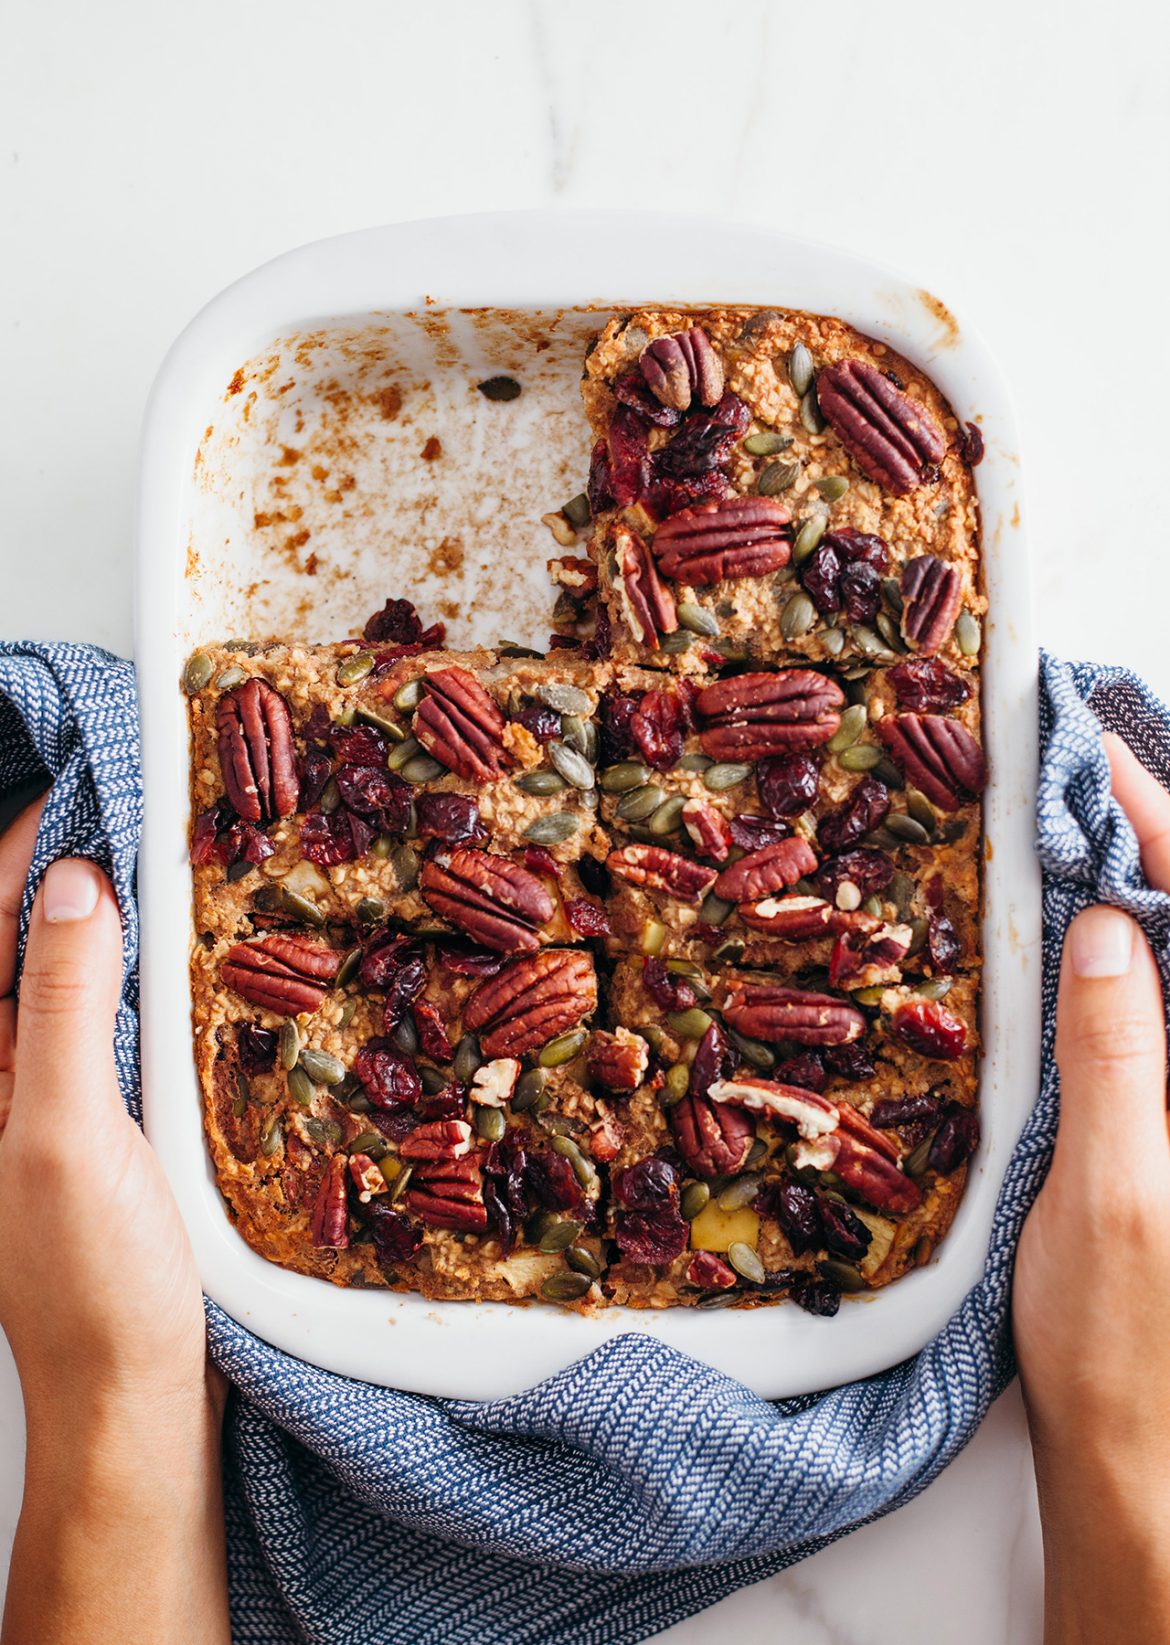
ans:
x=683 y=366
x=872 y=1176
x=931 y=594
x=751 y=716
x=773 y=868
x=707 y=828
x=366 y=1177
x=532 y=1000
x=617 y=1061
x=892 y=438
x=940 y=757
x=649 y=606
x=712 y=1137
x=814 y=1116
x=459 y=724
x=767 y=1011
x=329 y=1223
x=791 y=919
x=440 y=1140
x=654 y=868
x=496 y=902
x=448 y=1194
x=734 y=537
x=257 y=755
x=493 y=1082
x=282 y=973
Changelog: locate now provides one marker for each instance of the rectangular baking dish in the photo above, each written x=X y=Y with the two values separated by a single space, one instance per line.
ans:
x=285 y=489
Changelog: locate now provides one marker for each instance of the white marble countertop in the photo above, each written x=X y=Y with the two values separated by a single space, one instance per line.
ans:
x=150 y=155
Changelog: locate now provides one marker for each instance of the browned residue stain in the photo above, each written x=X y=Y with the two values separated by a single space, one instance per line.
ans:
x=987 y=849
x=432 y=449
x=451 y=609
x=192 y=562
x=389 y=401
x=311 y=563
x=447 y=559
x=1015 y=514
x=288 y=457
x=289 y=515
x=236 y=383
x=297 y=540
x=950 y=326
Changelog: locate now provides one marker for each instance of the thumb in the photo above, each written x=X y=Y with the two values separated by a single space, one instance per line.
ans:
x=69 y=992
x=1110 y=1047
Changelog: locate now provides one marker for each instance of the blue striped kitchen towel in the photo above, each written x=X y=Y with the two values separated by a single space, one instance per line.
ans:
x=638 y=1486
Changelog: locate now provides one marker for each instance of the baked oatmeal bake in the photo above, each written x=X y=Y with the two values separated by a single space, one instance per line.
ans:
x=645 y=971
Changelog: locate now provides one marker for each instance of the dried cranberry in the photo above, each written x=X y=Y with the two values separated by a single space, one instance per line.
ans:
x=318 y=727
x=594 y=876
x=651 y=1237
x=207 y=825
x=843 y=1233
x=795 y=1208
x=242 y=842
x=971 y=445
x=861 y=592
x=505 y=1187
x=820 y=577
x=394 y=964
x=942 y=945
x=433 y=1039
x=389 y=1078
x=615 y=738
x=448 y=1104
x=629 y=456
x=327 y=840
x=925 y=685
x=540 y=721
x=705 y=439
x=552 y=1181
x=630 y=389
x=600 y=646
x=850 y=1062
x=451 y=818
x=646 y=1185
x=854 y=547
x=538 y=859
x=587 y=918
x=864 y=810
x=471 y=962
x=396 y=1238
x=376 y=793
x=316 y=768
x=599 y=489
x=807 y=1070
x=788 y=784
x=384 y=954
x=750 y=831
x=398 y=623
x=895 y=1112
x=668 y=990
x=658 y=727
x=714 y=1060
x=869 y=871
x=359 y=745
x=955 y=1140
x=815 y=1296
x=929 y=1029
x=666 y=497
x=256 y=1047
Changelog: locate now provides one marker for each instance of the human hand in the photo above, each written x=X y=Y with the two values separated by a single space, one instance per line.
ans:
x=121 y=1531
x=1091 y=1325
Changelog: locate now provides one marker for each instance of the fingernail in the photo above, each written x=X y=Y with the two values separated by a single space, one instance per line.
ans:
x=1102 y=943
x=69 y=891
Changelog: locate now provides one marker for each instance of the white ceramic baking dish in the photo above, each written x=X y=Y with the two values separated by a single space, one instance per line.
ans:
x=283 y=490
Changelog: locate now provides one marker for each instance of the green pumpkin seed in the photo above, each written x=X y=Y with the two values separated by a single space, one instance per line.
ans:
x=650 y=941
x=582 y=1261
x=422 y=769
x=300 y=908
x=715 y=910
x=841 y=1274
x=668 y=816
x=230 y=678
x=558 y=1235
x=408 y=696
x=563 y=699
x=918 y=931
x=382 y=847
x=810 y=413
x=729 y=952
x=887 y=772
x=370 y=910
x=746 y=1263
x=348 y=1011
x=742 y=1191
x=692 y=1200
x=566 y=1287
x=832 y=487
x=433 y=1080
x=399 y=1184
x=968 y=634
x=694 y=762
x=869 y=996
x=833 y=641
x=330 y=797
x=697 y=619
x=288 y=1044
x=570 y=765
x=778 y=477
x=640 y=803
x=862 y=757
x=563 y=1049
x=726 y=774
x=197 y=673
x=540 y=782
x=688 y=1025
x=892 y=594
x=243 y=1093
x=890 y=632
x=952 y=830
x=577 y=511
x=272 y=1136
x=529 y=1089
x=405 y=1036
x=873 y=907
x=404 y=862
x=467 y=1059
x=300 y=1086
x=732 y=651
x=798 y=616
x=365 y=1142
x=854 y=720
x=871 y=644
x=322 y=1068
x=676 y=1084
x=554 y=829
x=238 y=871
x=350 y=966
x=801 y=370
x=808 y=537
x=580 y=735
x=906 y=829
x=766 y=444
x=489 y=1123
x=406 y=750
x=380 y=722
x=237 y=645
x=346 y=715
x=582 y=1168
x=901 y=891
x=675 y=644
x=619 y=779
x=921 y=809
x=352 y=669
x=755 y=1052
x=935 y=988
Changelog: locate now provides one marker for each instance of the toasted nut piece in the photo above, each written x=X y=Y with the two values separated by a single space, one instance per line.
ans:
x=282 y=973
x=735 y=537
x=751 y=716
x=257 y=754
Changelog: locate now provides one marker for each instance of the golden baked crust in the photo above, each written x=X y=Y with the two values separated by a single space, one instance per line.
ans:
x=638 y=973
